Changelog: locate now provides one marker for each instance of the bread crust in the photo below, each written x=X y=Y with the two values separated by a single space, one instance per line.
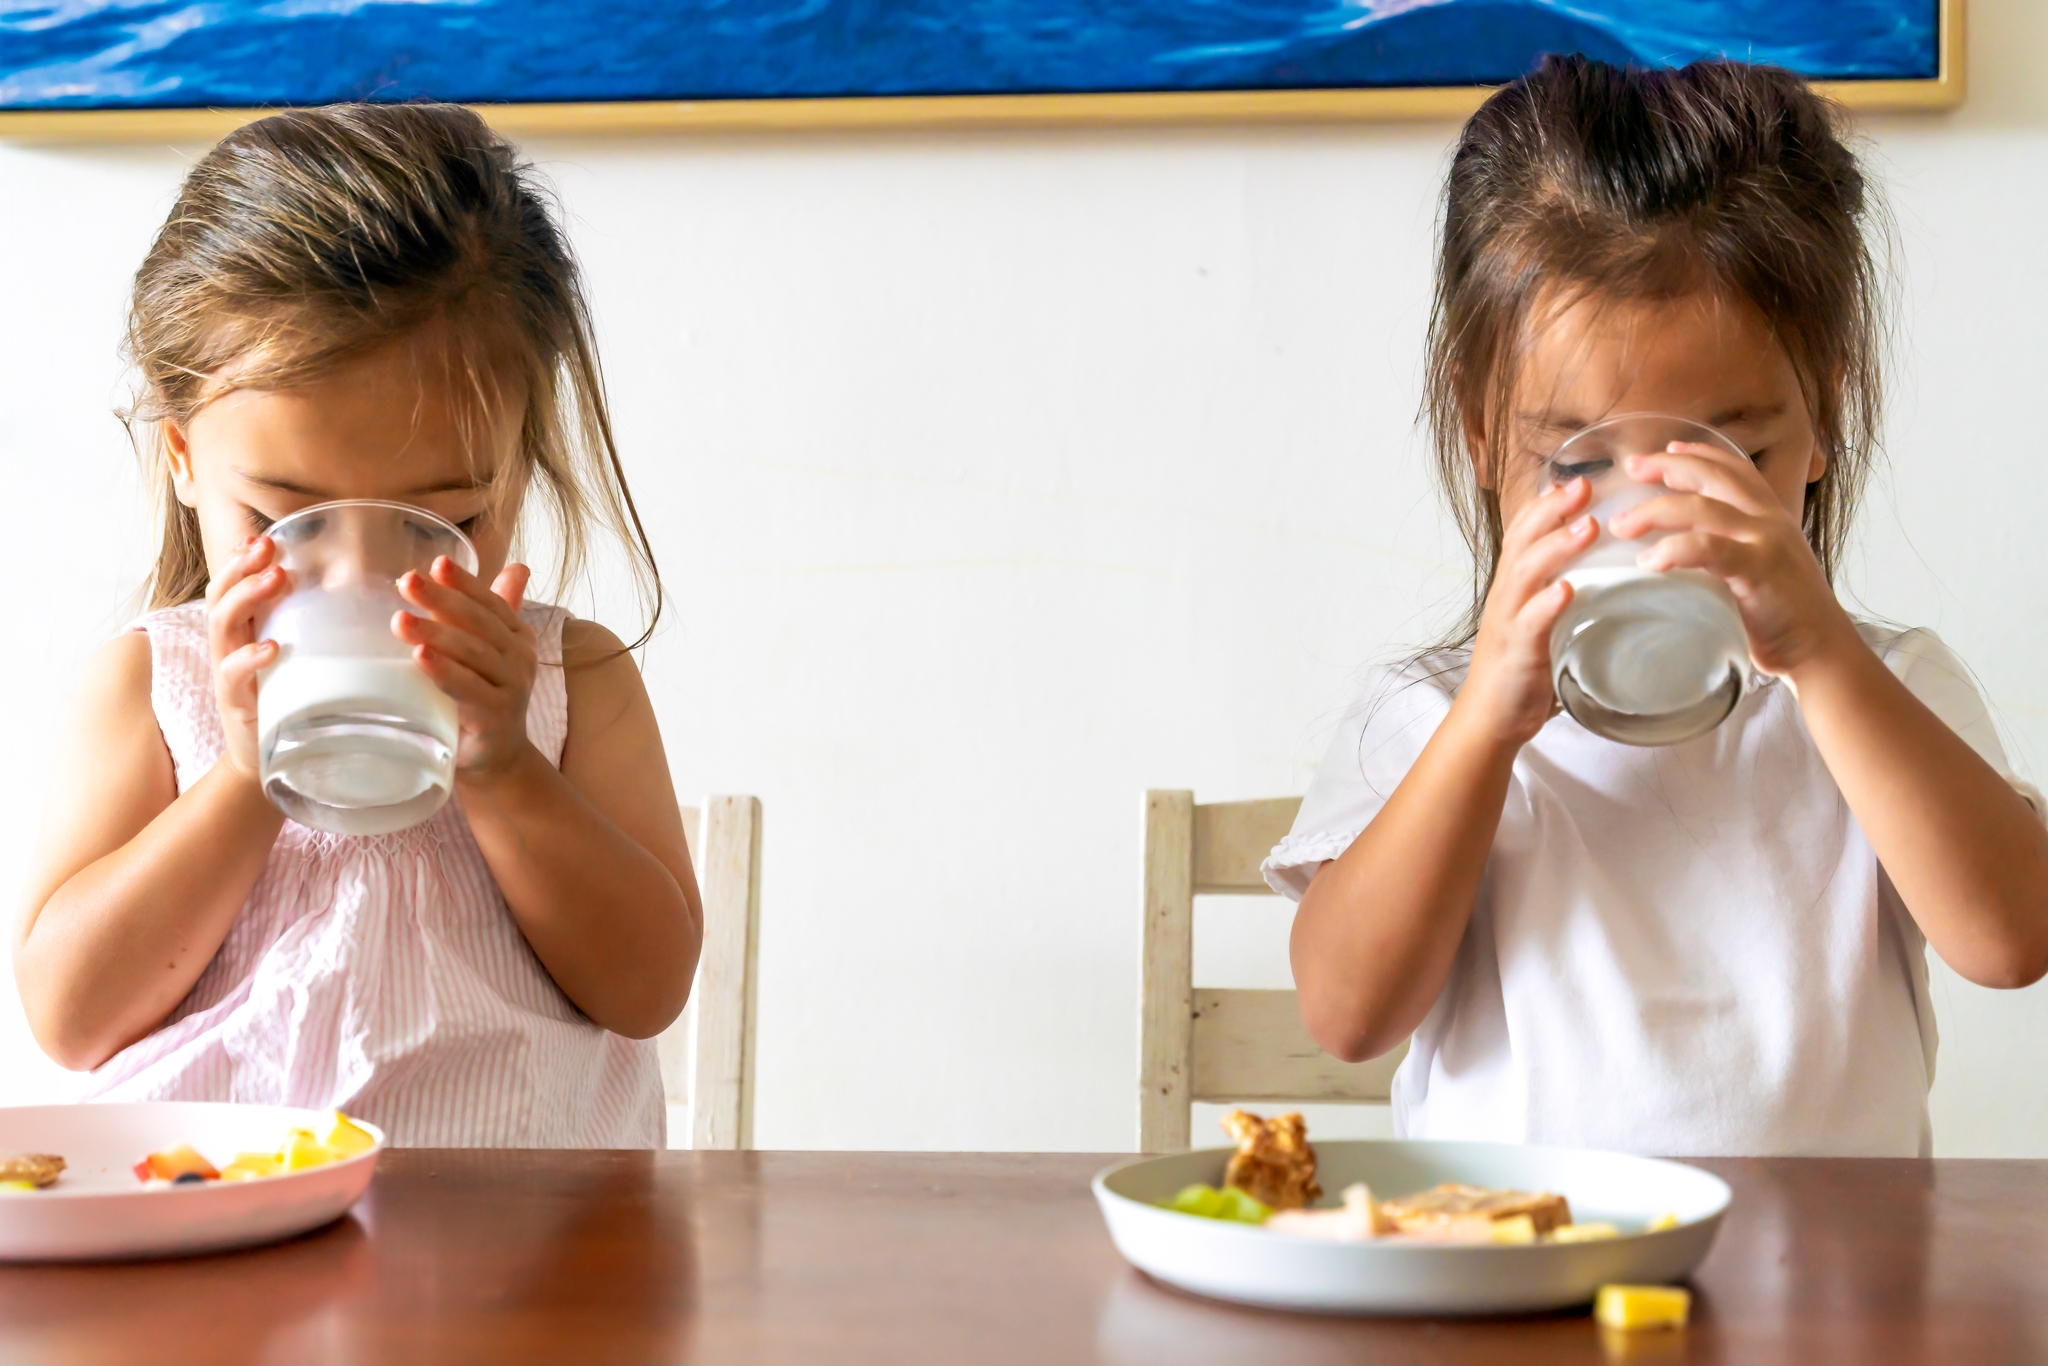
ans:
x=1451 y=1203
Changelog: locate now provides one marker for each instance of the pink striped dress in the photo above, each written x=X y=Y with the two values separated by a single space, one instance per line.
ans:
x=384 y=975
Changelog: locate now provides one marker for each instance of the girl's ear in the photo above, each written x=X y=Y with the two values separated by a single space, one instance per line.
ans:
x=1818 y=464
x=178 y=456
x=1481 y=456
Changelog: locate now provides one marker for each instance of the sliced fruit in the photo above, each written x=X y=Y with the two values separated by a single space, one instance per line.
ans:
x=1583 y=1233
x=251 y=1166
x=302 y=1151
x=1660 y=1223
x=346 y=1138
x=174 y=1162
x=1517 y=1230
x=1642 y=1306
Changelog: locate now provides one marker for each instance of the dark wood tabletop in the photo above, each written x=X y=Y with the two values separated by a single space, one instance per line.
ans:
x=907 y=1258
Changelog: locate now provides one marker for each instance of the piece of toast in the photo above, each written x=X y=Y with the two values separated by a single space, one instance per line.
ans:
x=1273 y=1163
x=1451 y=1203
x=38 y=1169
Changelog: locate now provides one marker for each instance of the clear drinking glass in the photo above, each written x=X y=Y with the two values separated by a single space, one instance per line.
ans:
x=1641 y=656
x=352 y=735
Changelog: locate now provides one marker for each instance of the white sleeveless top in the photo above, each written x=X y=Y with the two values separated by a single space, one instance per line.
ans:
x=1689 y=950
x=384 y=975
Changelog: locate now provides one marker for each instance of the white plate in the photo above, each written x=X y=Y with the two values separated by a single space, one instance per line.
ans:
x=1250 y=1265
x=98 y=1209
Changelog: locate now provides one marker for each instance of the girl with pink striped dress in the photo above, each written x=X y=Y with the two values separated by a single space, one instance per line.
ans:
x=370 y=302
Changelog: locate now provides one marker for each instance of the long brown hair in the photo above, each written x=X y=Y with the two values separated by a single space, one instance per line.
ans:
x=310 y=236
x=1585 y=180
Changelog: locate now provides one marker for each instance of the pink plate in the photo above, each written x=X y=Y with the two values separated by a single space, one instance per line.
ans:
x=99 y=1210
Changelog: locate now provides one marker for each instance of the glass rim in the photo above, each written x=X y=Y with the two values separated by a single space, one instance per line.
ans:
x=1651 y=414
x=391 y=503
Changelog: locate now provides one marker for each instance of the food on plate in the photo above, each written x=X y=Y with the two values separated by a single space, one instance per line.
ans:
x=1273 y=1163
x=1583 y=1233
x=1642 y=1306
x=1271 y=1183
x=1359 y=1219
x=301 y=1151
x=29 y=1171
x=1451 y=1204
x=1229 y=1204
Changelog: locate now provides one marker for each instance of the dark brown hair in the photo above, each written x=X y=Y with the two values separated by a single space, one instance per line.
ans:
x=1584 y=180
x=307 y=237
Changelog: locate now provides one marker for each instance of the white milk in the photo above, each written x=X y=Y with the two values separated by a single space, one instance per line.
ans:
x=354 y=745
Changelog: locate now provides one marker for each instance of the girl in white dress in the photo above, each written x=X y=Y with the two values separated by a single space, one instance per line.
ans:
x=1716 y=947
x=369 y=302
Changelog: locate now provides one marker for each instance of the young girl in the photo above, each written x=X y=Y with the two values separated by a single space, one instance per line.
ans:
x=369 y=302
x=1717 y=947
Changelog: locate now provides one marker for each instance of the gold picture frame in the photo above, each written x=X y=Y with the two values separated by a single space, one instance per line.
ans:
x=604 y=119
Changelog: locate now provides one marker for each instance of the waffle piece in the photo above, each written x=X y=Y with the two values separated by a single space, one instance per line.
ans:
x=1273 y=1163
x=1449 y=1204
x=38 y=1169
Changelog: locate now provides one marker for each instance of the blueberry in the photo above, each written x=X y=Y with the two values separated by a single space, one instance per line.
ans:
x=188 y=1179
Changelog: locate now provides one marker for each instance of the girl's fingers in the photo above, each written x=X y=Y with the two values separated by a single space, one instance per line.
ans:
x=1722 y=556
x=510 y=586
x=1532 y=567
x=1552 y=508
x=251 y=558
x=465 y=647
x=1686 y=512
x=1705 y=470
x=459 y=681
x=1541 y=611
x=455 y=606
x=231 y=621
x=449 y=574
x=238 y=669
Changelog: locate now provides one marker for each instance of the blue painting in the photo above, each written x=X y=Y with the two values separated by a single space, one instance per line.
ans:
x=100 y=54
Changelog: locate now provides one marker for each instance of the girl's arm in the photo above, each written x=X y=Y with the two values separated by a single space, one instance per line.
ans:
x=591 y=857
x=135 y=885
x=1379 y=926
x=1968 y=855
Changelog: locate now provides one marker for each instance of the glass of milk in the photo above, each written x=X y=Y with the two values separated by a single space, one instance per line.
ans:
x=352 y=735
x=1643 y=657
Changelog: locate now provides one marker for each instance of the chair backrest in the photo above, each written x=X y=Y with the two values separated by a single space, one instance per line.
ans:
x=1209 y=1044
x=707 y=1055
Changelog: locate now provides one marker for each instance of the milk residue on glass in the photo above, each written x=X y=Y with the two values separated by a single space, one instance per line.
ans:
x=352 y=735
x=1642 y=656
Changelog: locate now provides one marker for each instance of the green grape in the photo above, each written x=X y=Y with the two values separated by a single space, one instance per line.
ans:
x=1229 y=1204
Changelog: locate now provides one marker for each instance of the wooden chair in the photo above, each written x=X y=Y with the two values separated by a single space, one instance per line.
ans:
x=707 y=1055
x=1198 y=1043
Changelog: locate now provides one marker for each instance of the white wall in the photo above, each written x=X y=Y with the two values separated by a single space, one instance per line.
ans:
x=999 y=477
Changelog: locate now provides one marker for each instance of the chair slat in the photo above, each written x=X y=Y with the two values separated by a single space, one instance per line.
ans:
x=1252 y=1045
x=1233 y=838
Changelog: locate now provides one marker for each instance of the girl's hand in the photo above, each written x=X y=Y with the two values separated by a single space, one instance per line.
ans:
x=472 y=643
x=1508 y=690
x=1722 y=517
x=247 y=589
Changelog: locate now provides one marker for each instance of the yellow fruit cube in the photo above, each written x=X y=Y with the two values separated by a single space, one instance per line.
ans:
x=346 y=1138
x=303 y=1152
x=18 y=1186
x=1516 y=1231
x=1642 y=1306
x=251 y=1166
x=1660 y=1223
x=1583 y=1233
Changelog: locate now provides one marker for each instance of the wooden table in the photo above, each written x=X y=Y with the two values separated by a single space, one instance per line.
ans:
x=822 y=1258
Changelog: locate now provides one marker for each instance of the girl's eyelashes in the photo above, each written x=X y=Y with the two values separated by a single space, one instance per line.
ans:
x=258 y=522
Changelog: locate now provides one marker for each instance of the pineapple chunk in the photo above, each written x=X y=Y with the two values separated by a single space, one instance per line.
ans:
x=1516 y=1230
x=1660 y=1223
x=19 y=1186
x=302 y=1151
x=1642 y=1306
x=250 y=1166
x=346 y=1138
x=1583 y=1233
